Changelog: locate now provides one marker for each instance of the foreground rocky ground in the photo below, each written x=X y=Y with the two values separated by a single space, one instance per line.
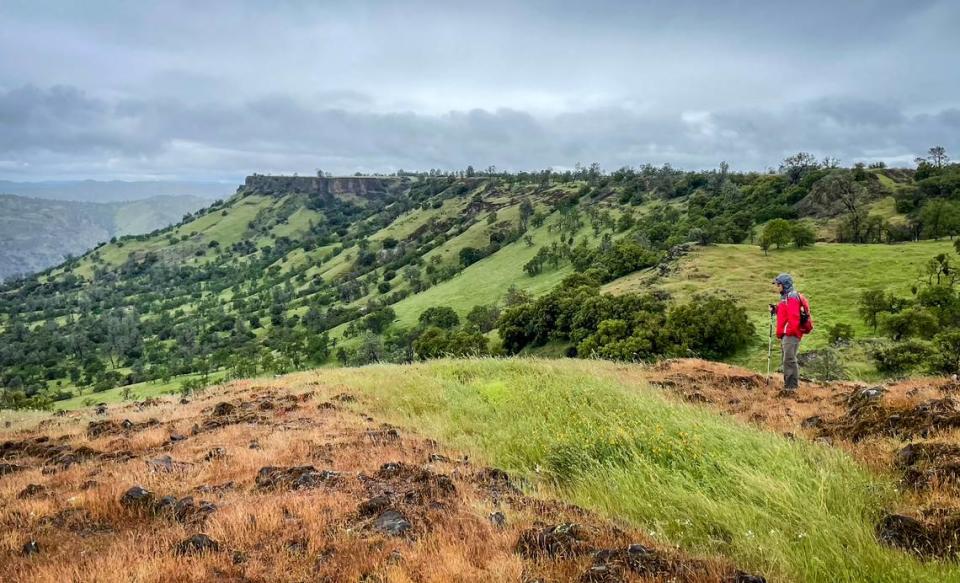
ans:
x=250 y=483
x=908 y=429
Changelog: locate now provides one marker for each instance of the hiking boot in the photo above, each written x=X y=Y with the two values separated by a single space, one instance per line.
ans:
x=788 y=394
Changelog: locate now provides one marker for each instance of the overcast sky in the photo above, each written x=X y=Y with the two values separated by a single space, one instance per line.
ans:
x=217 y=90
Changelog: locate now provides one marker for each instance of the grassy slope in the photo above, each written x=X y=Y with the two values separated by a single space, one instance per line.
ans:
x=832 y=276
x=594 y=433
x=486 y=281
x=226 y=229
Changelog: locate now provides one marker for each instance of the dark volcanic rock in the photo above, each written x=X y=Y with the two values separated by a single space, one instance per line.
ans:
x=393 y=523
x=189 y=512
x=223 y=409
x=555 y=541
x=743 y=577
x=906 y=533
x=812 y=422
x=498 y=519
x=33 y=491
x=10 y=468
x=383 y=436
x=926 y=463
x=374 y=505
x=31 y=548
x=295 y=478
x=197 y=544
x=867 y=416
x=97 y=428
x=217 y=453
x=137 y=497
x=163 y=463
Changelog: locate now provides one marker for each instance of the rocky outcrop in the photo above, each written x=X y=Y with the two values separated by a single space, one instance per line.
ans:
x=340 y=187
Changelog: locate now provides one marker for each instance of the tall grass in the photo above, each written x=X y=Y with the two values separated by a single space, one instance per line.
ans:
x=590 y=432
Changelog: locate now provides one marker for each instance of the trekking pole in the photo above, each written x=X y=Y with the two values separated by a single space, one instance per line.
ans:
x=769 y=346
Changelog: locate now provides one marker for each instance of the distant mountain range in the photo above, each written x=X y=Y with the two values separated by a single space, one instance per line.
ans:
x=115 y=190
x=36 y=233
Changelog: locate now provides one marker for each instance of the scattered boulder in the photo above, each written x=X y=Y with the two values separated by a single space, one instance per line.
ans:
x=867 y=416
x=696 y=397
x=438 y=458
x=186 y=511
x=97 y=429
x=217 y=453
x=498 y=519
x=295 y=478
x=393 y=523
x=163 y=463
x=197 y=544
x=10 y=468
x=223 y=409
x=939 y=538
x=374 y=505
x=554 y=541
x=904 y=532
x=30 y=548
x=344 y=398
x=383 y=435
x=813 y=422
x=744 y=577
x=137 y=497
x=101 y=409
x=924 y=464
x=106 y=427
x=33 y=491
x=177 y=437
x=218 y=489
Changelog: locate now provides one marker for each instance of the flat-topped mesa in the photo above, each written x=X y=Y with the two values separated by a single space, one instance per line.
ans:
x=359 y=186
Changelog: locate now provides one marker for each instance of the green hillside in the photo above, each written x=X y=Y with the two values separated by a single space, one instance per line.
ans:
x=293 y=272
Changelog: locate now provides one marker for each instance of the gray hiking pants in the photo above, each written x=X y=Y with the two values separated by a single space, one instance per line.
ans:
x=791 y=371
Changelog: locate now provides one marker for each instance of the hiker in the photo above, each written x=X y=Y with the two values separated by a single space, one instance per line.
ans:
x=793 y=321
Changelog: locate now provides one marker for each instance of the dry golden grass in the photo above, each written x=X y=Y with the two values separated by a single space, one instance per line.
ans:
x=316 y=534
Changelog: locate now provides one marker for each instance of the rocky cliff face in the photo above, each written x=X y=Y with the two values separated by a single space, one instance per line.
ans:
x=345 y=186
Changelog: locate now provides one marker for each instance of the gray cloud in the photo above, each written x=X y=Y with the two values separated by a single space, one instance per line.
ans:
x=217 y=89
x=60 y=128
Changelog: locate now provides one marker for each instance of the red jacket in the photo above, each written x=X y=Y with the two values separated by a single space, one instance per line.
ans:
x=788 y=315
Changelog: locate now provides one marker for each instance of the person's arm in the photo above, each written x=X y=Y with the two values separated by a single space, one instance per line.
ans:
x=781 y=319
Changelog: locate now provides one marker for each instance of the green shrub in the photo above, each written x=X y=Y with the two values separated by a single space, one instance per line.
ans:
x=901 y=357
x=443 y=317
x=710 y=326
x=840 y=332
x=946 y=360
x=908 y=323
x=826 y=365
